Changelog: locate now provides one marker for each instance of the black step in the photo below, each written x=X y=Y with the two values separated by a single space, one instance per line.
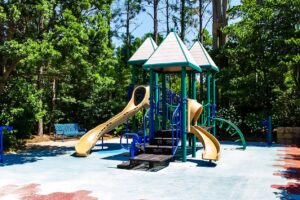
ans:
x=152 y=159
x=164 y=141
x=127 y=165
x=155 y=158
x=166 y=133
x=159 y=149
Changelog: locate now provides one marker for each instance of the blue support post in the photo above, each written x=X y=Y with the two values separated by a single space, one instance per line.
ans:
x=267 y=123
x=269 y=133
x=1 y=145
x=8 y=128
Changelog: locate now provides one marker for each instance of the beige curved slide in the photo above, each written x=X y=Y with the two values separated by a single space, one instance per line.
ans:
x=139 y=100
x=210 y=143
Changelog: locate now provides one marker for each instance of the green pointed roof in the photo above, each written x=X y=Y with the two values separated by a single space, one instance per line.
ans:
x=144 y=52
x=171 y=56
x=202 y=57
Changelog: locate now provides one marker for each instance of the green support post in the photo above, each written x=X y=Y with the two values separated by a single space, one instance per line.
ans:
x=214 y=101
x=133 y=82
x=164 y=103
x=156 y=100
x=190 y=91
x=194 y=94
x=208 y=96
x=144 y=77
x=183 y=113
x=144 y=81
x=133 y=75
x=151 y=111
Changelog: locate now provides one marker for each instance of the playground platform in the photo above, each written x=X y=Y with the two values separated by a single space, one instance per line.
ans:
x=49 y=171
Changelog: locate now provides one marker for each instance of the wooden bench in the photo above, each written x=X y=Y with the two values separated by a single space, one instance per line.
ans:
x=68 y=130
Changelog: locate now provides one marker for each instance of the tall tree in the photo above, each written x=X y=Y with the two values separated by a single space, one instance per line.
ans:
x=124 y=17
x=263 y=51
x=203 y=6
x=42 y=39
x=182 y=19
x=220 y=21
x=154 y=15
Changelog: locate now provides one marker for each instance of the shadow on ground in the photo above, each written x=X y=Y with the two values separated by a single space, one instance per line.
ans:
x=106 y=147
x=202 y=163
x=249 y=144
x=34 y=154
x=119 y=157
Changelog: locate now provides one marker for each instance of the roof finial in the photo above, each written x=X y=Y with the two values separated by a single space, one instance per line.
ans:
x=174 y=29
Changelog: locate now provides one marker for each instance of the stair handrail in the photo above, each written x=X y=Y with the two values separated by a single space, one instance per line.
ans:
x=135 y=139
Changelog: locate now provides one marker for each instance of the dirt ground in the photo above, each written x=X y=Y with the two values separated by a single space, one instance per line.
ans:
x=51 y=137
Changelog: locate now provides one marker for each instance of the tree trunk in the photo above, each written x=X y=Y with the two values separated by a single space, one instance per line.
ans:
x=127 y=30
x=200 y=22
x=155 y=21
x=167 y=15
x=224 y=23
x=220 y=20
x=40 y=131
x=53 y=102
x=201 y=95
x=182 y=20
x=216 y=7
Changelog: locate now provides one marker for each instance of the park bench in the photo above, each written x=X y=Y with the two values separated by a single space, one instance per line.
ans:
x=68 y=130
x=8 y=128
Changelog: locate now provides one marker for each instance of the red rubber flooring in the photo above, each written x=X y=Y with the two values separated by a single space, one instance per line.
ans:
x=289 y=164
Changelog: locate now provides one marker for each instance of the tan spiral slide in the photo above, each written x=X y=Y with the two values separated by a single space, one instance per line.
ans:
x=210 y=144
x=139 y=100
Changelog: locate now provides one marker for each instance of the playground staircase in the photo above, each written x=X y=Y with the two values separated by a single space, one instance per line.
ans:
x=158 y=151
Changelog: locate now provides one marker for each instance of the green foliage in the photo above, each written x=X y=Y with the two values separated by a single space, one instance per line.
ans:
x=57 y=63
x=9 y=139
x=20 y=106
x=66 y=40
x=263 y=54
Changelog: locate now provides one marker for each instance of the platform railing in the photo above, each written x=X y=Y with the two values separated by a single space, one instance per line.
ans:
x=204 y=115
x=176 y=119
x=145 y=119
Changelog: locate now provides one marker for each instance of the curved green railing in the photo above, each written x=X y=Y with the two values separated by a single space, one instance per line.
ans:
x=204 y=114
x=232 y=129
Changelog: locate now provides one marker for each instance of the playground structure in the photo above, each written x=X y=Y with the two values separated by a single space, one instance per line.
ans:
x=169 y=117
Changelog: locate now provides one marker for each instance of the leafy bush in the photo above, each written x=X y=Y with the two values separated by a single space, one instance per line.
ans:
x=9 y=139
